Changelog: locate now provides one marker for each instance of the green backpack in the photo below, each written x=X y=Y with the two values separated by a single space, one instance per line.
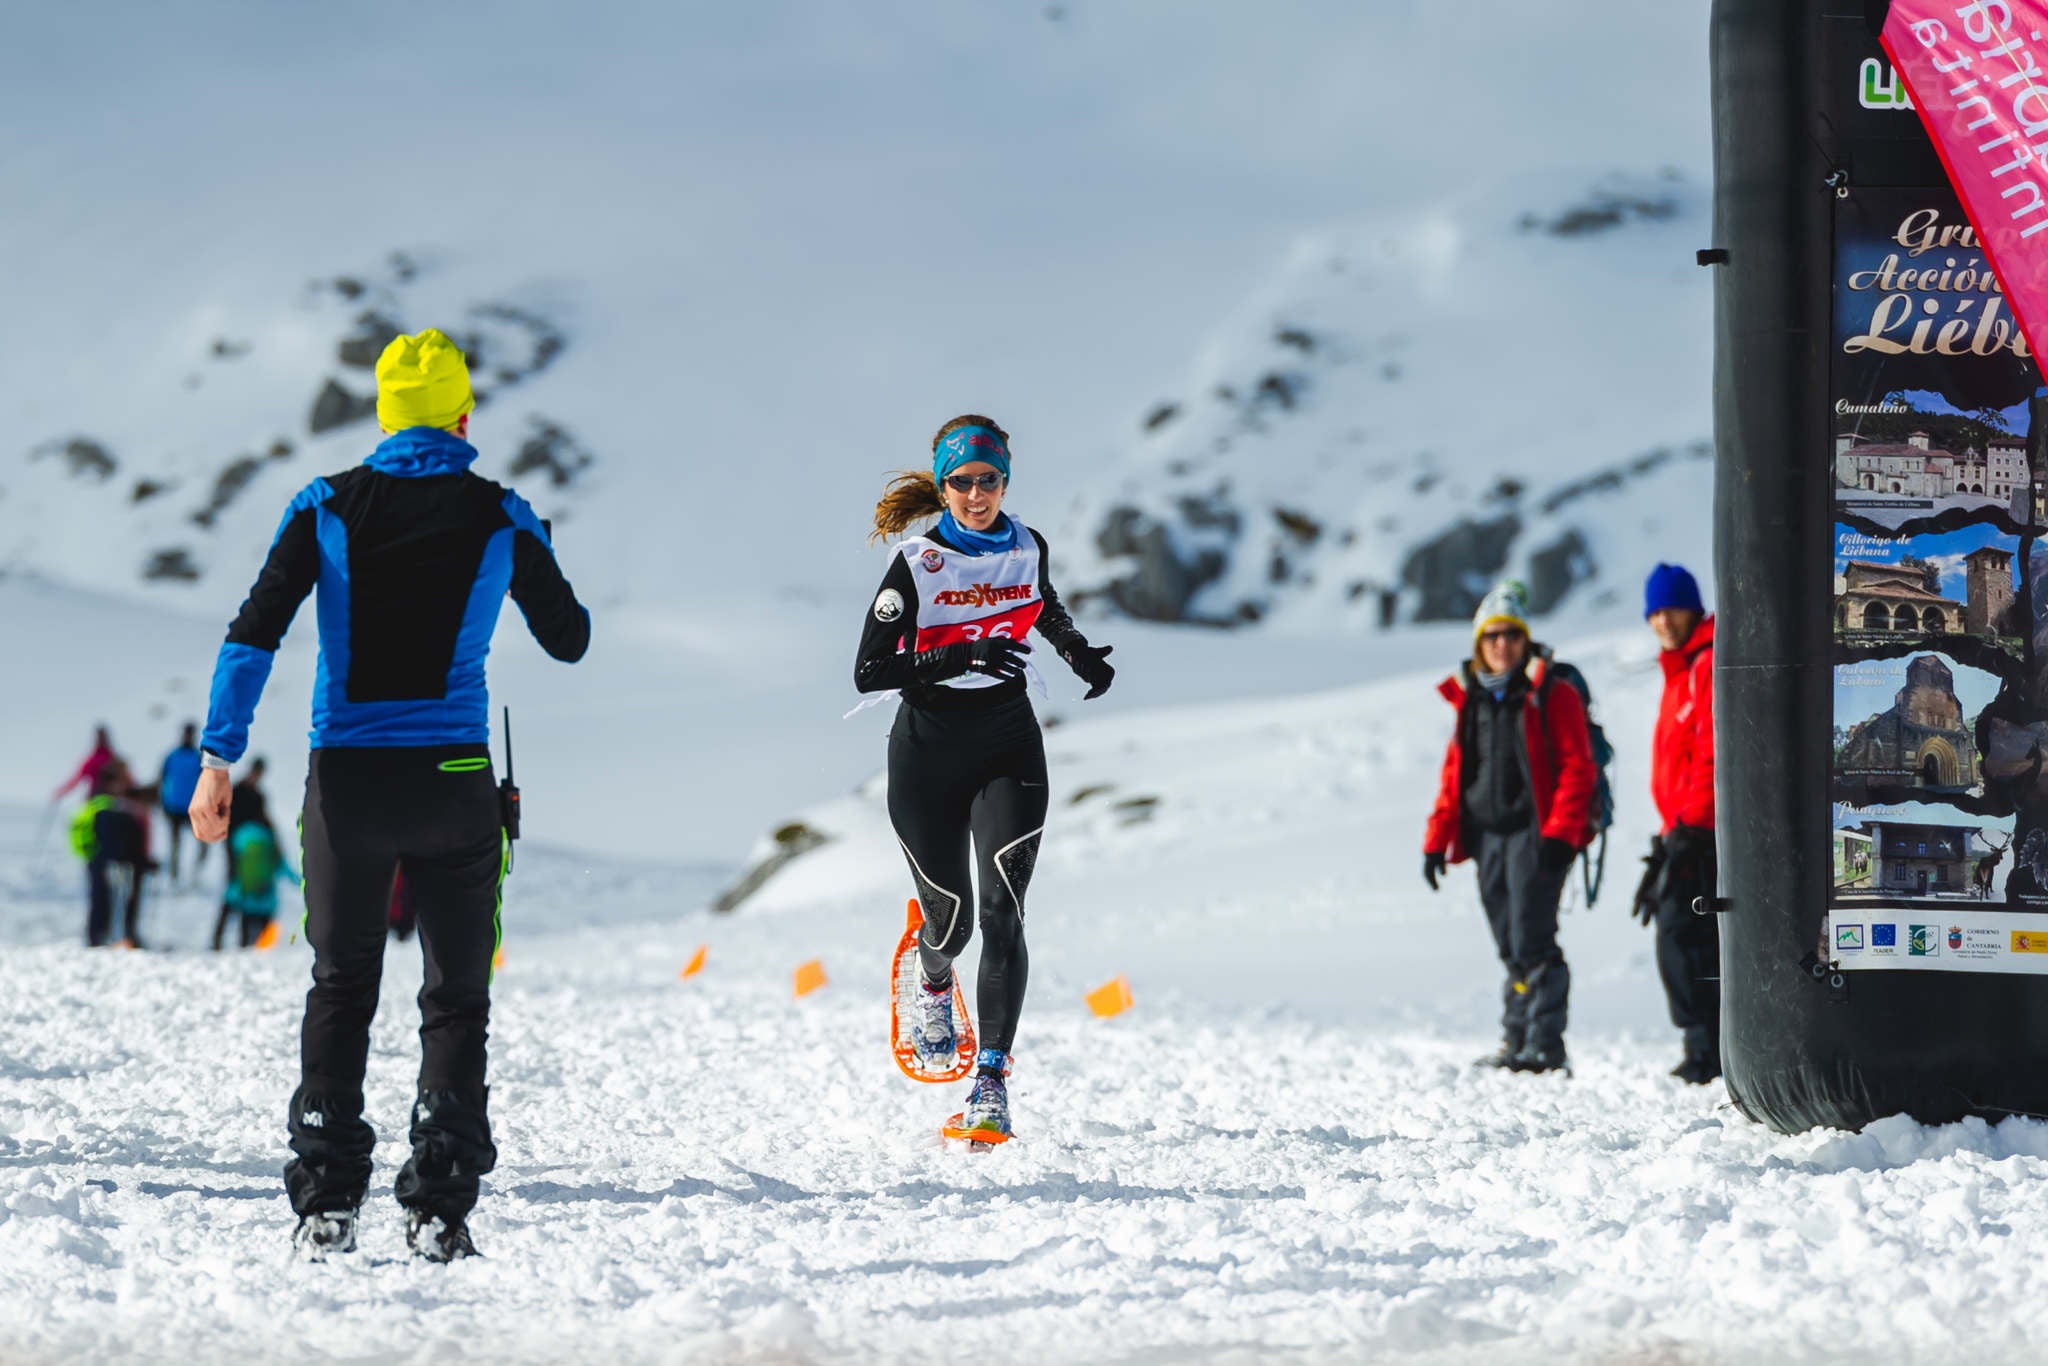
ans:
x=256 y=859
x=85 y=835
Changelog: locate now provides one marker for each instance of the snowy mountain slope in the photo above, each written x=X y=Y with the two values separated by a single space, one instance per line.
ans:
x=780 y=243
x=1279 y=1155
x=1513 y=382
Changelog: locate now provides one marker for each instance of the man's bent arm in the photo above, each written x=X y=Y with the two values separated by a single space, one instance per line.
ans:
x=243 y=666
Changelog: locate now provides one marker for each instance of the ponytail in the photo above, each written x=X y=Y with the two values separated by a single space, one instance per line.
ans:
x=912 y=496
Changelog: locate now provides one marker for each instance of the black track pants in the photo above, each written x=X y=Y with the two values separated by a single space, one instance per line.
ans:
x=952 y=774
x=367 y=812
x=1521 y=909
x=1689 y=960
x=100 y=891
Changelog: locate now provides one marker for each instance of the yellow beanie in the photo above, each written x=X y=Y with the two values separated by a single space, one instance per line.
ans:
x=422 y=381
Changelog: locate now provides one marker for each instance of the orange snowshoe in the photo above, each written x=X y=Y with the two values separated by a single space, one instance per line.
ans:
x=904 y=984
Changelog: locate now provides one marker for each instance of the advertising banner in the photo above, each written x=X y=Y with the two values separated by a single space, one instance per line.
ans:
x=1939 y=784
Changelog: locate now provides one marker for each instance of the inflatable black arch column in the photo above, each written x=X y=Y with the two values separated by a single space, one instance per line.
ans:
x=1807 y=129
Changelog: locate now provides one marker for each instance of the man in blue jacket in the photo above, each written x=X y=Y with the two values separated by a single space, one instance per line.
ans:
x=412 y=556
x=174 y=788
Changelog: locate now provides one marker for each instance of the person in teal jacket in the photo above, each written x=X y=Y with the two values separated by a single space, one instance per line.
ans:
x=256 y=863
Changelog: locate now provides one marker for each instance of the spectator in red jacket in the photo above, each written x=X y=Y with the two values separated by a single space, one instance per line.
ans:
x=93 y=772
x=1682 y=867
x=1517 y=798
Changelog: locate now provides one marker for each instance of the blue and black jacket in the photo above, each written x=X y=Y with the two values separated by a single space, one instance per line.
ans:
x=412 y=555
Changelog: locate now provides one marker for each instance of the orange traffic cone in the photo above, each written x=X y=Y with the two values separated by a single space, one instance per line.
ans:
x=1111 y=998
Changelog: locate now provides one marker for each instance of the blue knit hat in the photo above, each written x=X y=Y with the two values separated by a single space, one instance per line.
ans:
x=1670 y=585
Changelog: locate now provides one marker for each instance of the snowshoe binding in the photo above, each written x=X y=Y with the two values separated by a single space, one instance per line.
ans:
x=931 y=1026
x=932 y=1040
x=985 y=1121
x=434 y=1238
x=324 y=1234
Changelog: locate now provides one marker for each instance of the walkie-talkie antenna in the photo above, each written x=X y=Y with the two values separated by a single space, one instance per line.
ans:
x=508 y=796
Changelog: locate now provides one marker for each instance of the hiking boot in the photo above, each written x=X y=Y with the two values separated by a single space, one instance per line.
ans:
x=434 y=1238
x=1534 y=1059
x=327 y=1232
x=1698 y=1069
x=1502 y=1057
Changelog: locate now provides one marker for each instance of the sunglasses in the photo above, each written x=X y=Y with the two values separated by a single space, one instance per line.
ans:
x=1509 y=633
x=987 y=483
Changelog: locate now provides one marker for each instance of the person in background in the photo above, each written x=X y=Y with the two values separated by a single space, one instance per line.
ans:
x=176 y=783
x=1682 y=864
x=246 y=801
x=400 y=916
x=1517 y=797
x=110 y=836
x=256 y=863
x=92 y=772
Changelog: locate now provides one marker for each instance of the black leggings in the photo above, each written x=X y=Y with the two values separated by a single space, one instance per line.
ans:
x=952 y=774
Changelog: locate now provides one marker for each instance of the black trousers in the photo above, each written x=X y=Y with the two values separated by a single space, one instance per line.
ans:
x=1521 y=909
x=100 y=891
x=116 y=870
x=369 y=811
x=1689 y=956
x=953 y=775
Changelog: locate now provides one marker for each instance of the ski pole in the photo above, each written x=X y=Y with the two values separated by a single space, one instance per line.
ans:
x=41 y=857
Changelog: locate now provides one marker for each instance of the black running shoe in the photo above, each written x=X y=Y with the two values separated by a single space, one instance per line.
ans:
x=437 y=1239
x=325 y=1233
x=1541 y=1060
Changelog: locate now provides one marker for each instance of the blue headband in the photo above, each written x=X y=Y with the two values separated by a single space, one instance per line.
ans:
x=965 y=445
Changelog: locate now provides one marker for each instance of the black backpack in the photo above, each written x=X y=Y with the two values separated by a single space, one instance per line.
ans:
x=1594 y=858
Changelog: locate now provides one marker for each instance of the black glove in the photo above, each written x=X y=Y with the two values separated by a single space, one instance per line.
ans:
x=1432 y=869
x=1685 y=848
x=1688 y=850
x=1555 y=856
x=1088 y=664
x=1645 y=905
x=997 y=656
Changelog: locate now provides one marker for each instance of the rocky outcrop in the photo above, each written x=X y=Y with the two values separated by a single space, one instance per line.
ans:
x=83 y=458
x=174 y=566
x=1160 y=580
x=789 y=841
x=361 y=348
x=1449 y=573
x=550 y=450
x=335 y=406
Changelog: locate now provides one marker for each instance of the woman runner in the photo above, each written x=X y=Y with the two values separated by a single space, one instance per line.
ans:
x=947 y=633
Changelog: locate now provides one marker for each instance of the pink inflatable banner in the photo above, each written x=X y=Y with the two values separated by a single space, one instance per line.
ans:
x=1975 y=74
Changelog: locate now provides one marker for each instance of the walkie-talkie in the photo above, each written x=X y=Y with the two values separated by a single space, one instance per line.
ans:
x=508 y=795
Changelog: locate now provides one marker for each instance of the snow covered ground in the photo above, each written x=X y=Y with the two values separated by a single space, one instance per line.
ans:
x=782 y=241
x=1279 y=1155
